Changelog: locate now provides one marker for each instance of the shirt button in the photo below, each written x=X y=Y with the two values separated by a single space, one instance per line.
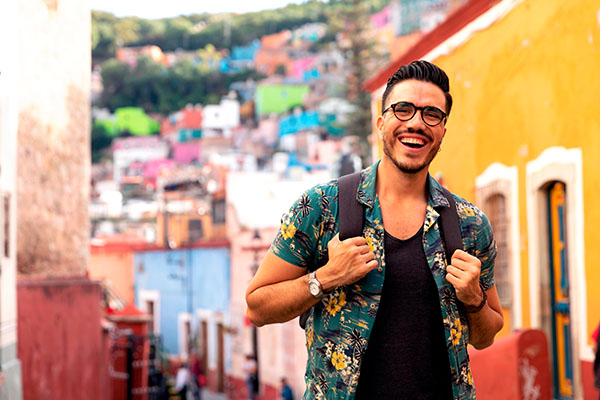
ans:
x=380 y=269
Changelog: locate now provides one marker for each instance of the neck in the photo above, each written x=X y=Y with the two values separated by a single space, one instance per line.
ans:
x=395 y=184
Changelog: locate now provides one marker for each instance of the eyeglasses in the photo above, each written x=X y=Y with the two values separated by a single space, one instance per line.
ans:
x=405 y=111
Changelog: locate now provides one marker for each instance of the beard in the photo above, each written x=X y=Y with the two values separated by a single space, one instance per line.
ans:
x=406 y=167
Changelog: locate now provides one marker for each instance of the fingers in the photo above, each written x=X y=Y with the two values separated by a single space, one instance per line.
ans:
x=464 y=257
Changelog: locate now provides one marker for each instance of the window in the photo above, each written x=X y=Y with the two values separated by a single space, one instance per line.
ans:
x=495 y=209
x=195 y=230
x=497 y=195
x=218 y=211
x=150 y=311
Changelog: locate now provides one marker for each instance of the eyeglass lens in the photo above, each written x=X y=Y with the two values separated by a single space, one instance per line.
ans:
x=430 y=115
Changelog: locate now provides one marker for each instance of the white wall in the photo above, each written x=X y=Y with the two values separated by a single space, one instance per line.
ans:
x=224 y=116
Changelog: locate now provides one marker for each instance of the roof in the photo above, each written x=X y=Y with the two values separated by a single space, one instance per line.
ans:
x=455 y=22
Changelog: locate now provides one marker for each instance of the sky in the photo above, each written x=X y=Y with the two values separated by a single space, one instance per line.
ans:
x=170 y=8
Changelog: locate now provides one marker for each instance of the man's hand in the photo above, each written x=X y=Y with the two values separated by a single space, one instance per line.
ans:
x=463 y=274
x=349 y=261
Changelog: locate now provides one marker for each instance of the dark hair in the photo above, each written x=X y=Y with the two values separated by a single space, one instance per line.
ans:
x=420 y=70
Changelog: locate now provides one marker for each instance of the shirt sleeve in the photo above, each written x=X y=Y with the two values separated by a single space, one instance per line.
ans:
x=297 y=239
x=485 y=251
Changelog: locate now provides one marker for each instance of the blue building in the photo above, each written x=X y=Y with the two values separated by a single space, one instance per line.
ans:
x=298 y=122
x=187 y=292
x=242 y=58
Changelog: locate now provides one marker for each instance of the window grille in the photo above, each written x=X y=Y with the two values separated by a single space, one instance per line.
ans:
x=496 y=212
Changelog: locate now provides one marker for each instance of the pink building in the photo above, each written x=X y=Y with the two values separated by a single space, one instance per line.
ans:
x=300 y=66
x=252 y=223
x=187 y=152
x=382 y=18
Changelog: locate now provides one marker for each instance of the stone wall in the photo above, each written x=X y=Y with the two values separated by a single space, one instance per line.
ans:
x=54 y=42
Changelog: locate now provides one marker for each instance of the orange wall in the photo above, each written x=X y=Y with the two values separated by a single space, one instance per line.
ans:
x=179 y=228
x=115 y=266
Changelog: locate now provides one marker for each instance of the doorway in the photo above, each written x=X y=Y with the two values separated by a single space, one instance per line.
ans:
x=557 y=321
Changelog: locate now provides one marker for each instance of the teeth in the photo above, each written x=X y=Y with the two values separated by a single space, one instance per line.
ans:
x=412 y=141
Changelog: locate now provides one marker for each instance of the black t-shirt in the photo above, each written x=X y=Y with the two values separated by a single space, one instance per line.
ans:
x=406 y=357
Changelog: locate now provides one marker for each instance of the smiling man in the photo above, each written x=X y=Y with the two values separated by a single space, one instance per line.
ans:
x=389 y=319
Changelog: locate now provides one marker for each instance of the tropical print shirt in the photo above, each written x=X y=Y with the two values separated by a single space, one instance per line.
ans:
x=338 y=328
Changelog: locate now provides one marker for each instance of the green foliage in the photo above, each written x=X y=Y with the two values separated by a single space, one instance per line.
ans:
x=353 y=19
x=155 y=88
x=101 y=141
x=222 y=30
x=135 y=121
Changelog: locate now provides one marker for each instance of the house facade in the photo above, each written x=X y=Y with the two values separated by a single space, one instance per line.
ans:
x=524 y=127
x=186 y=292
x=252 y=223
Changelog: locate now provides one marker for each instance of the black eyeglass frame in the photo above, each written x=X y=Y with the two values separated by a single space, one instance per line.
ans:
x=415 y=108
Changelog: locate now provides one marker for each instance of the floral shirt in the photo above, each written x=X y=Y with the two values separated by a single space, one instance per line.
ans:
x=338 y=328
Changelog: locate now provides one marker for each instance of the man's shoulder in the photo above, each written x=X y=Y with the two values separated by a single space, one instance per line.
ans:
x=469 y=213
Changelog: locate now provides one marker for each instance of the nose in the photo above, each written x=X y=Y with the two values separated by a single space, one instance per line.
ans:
x=416 y=121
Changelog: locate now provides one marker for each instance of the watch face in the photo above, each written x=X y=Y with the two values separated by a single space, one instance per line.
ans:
x=314 y=289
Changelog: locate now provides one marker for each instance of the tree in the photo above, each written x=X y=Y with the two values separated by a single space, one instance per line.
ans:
x=353 y=15
x=101 y=140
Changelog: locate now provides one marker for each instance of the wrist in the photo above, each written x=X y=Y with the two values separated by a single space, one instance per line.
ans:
x=477 y=306
x=327 y=283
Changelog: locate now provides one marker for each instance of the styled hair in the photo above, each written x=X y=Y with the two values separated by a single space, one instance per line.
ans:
x=420 y=70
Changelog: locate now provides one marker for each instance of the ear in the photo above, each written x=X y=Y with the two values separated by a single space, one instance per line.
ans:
x=379 y=123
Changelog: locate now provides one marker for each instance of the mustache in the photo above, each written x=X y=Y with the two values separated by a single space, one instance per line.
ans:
x=412 y=130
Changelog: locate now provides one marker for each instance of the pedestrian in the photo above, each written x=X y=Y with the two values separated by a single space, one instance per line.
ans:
x=182 y=380
x=251 y=371
x=286 y=390
x=595 y=344
x=198 y=376
x=389 y=319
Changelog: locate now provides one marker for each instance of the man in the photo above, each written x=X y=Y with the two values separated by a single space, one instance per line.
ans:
x=182 y=380
x=389 y=319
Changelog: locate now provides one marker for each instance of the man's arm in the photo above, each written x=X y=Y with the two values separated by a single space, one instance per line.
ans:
x=484 y=324
x=463 y=274
x=279 y=290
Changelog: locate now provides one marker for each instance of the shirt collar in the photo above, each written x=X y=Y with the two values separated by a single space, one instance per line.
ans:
x=367 y=188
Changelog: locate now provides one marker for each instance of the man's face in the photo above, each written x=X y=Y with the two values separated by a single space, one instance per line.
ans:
x=412 y=145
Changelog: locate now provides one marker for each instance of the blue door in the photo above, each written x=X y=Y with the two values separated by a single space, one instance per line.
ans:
x=559 y=293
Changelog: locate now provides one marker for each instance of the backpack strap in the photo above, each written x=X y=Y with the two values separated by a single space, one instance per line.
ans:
x=450 y=226
x=351 y=212
x=351 y=216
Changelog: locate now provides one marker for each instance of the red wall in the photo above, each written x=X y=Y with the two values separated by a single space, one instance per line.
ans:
x=587 y=376
x=60 y=342
x=521 y=360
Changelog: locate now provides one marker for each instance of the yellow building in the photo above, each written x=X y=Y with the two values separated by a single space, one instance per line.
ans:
x=523 y=143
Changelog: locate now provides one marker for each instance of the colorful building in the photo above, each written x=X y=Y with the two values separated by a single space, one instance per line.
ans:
x=294 y=123
x=252 y=223
x=186 y=292
x=270 y=61
x=524 y=128
x=279 y=99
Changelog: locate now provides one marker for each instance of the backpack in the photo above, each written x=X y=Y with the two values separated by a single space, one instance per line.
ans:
x=352 y=219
